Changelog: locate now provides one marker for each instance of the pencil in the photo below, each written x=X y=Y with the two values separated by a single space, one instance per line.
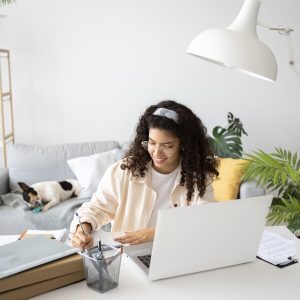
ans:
x=80 y=224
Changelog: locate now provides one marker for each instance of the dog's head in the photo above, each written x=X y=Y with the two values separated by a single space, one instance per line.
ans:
x=30 y=195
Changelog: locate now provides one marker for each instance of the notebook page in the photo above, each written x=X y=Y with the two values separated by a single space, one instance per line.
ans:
x=275 y=248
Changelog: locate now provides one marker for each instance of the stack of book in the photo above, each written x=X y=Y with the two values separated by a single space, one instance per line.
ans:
x=29 y=268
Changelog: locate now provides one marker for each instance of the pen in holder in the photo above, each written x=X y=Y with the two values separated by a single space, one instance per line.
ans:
x=102 y=268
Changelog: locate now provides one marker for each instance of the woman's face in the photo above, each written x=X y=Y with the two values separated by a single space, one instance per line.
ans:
x=164 y=149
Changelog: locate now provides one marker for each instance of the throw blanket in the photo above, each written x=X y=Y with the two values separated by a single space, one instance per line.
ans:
x=15 y=215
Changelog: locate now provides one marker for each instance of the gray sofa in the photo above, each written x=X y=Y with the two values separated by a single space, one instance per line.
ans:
x=33 y=163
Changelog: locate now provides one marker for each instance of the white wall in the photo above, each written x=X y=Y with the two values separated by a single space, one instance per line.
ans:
x=85 y=70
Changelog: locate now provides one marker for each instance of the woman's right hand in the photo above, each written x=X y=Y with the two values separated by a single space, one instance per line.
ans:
x=80 y=240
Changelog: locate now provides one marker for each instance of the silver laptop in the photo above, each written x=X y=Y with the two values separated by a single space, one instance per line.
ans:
x=203 y=237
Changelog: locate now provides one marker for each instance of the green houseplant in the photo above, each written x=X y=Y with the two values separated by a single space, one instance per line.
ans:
x=4 y=2
x=280 y=172
x=226 y=141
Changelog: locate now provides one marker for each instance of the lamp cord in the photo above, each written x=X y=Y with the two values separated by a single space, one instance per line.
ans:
x=292 y=60
x=287 y=31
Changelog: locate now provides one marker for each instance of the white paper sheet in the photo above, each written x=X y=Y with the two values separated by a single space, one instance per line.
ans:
x=59 y=234
x=107 y=237
x=6 y=239
x=276 y=249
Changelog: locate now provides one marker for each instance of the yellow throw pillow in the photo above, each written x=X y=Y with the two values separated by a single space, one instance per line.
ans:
x=231 y=171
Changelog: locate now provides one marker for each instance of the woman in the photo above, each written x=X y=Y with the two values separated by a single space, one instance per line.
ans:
x=168 y=164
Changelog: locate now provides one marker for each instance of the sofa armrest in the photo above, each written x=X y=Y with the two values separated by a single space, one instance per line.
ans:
x=250 y=189
x=4 y=189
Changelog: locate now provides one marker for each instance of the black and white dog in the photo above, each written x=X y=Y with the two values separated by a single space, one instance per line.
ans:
x=52 y=192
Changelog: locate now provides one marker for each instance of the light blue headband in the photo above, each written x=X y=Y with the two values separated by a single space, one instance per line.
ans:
x=168 y=113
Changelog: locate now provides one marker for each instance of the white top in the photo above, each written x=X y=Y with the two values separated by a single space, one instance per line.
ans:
x=163 y=185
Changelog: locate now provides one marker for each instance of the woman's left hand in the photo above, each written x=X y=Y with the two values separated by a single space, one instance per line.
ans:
x=137 y=237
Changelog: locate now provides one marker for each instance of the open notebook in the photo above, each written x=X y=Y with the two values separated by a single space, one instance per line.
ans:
x=31 y=252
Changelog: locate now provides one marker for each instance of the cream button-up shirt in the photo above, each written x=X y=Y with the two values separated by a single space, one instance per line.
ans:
x=128 y=201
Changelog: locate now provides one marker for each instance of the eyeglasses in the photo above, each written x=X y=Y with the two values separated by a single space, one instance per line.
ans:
x=169 y=150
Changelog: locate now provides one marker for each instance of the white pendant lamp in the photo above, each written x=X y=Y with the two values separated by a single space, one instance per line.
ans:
x=237 y=47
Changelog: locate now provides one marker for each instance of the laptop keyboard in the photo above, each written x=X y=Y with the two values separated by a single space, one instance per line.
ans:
x=145 y=259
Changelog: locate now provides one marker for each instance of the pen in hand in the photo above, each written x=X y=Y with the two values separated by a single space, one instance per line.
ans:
x=82 y=230
x=80 y=224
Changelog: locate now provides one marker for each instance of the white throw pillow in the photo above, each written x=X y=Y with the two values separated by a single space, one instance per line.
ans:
x=90 y=169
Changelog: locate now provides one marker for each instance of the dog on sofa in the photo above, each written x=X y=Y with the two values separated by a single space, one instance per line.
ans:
x=52 y=192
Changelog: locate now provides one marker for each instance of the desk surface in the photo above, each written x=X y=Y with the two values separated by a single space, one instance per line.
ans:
x=251 y=281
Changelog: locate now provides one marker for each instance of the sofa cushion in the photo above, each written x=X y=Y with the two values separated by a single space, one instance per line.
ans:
x=90 y=169
x=230 y=177
x=35 y=163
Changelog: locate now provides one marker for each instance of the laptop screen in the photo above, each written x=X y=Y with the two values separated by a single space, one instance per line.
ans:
x=203 y=237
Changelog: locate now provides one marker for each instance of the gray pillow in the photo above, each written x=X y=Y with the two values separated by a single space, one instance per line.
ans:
x=36 y=163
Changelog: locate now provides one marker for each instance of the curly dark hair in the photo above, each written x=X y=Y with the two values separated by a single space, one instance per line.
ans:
x=198 y=163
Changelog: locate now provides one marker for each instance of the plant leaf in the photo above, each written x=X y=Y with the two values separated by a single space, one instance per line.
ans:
x=6 y=2
x=226 y=143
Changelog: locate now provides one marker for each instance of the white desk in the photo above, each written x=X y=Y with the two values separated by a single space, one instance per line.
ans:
x=252 y=281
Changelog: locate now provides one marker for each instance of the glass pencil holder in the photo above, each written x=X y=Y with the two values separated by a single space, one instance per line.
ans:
x=102 y=269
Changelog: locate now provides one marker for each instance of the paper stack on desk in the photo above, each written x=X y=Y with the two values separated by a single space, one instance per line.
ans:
x=277 y=250
x=42 y=279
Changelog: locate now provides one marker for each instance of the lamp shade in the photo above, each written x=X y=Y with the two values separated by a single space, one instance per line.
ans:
x=237 y=47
